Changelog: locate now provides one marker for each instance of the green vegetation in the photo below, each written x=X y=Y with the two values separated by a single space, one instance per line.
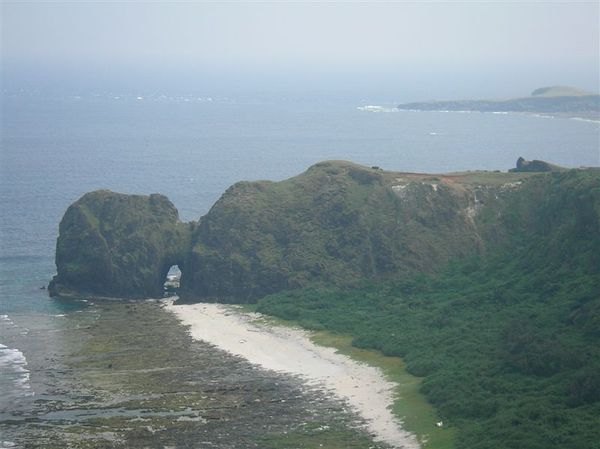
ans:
x=118 y=245
x=487 y=285
x=535 y=166
x=417 y=415
x=335 y=223
x=508 y=342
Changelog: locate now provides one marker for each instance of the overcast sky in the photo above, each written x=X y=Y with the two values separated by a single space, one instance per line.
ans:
x=415 y=49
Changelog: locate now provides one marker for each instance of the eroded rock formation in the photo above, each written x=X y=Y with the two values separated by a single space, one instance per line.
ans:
x=336 y=223
x=118 y=245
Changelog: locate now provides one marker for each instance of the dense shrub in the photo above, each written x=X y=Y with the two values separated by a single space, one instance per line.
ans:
x=508 y=343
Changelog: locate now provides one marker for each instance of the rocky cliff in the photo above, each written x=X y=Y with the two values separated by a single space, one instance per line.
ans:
x=534 y=166
x=337 y=223
x=118 y=245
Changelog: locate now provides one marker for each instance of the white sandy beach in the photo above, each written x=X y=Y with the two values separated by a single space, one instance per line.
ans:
x=291 y=351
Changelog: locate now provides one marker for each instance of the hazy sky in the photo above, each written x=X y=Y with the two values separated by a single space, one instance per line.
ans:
x=411 y=49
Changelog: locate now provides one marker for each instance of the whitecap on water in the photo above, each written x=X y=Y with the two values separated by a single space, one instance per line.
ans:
x=13 y=366
x=375 y=108
x=14 y=375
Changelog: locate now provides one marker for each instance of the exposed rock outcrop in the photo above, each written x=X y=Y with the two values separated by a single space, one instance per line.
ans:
x=535 y=166
x=118 y=245
x=337 y=223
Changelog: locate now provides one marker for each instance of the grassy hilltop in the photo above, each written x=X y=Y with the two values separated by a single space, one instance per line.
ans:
x=335 y=223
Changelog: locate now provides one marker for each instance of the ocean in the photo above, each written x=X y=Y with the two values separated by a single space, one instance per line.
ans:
x=190 y=148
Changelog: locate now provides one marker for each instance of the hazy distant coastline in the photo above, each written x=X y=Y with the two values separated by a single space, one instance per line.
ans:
x=556 y=101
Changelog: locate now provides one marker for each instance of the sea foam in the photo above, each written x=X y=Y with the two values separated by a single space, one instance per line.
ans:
x=375 y=108
x=14 y=374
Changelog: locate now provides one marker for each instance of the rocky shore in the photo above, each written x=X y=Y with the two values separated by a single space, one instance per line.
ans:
x=290 y=350
x=131 y=376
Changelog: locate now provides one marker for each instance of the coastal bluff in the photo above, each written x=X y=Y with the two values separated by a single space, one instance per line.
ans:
x=336 y=223
x=117 y=245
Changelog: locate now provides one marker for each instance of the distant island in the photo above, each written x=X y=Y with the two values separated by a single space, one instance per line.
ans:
x=562 y=101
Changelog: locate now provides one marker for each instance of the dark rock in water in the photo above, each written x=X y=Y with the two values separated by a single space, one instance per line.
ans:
x=535 y=166
x=118 y=245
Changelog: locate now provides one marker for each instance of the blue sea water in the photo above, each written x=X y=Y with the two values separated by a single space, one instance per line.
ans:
x=53 y=150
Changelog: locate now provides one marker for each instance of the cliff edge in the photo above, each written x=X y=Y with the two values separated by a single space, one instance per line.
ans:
x=117 y=245
x=336 y=223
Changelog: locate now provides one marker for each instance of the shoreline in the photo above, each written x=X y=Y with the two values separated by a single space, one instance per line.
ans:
x=548 y=115
x=289 y=350
x=131 y=376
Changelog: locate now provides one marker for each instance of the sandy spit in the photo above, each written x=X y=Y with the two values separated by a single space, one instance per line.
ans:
x=291 y=351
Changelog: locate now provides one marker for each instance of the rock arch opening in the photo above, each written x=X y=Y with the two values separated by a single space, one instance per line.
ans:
x=172 y=281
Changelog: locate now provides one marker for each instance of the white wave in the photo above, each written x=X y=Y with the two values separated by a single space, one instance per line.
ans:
x=13 y=365
x=580 y=119
x=466 y=111
x=11 y=323
x=23 y=381
x=12 y=358
x=375 y=108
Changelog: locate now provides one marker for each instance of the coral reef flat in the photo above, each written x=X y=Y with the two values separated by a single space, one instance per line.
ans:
x=290 y=350
x=130 y=376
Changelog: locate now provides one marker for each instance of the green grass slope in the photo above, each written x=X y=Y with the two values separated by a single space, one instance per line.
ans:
x=335 y=223
x=508 y=342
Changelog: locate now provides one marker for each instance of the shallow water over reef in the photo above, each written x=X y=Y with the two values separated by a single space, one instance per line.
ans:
x=128 y=375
